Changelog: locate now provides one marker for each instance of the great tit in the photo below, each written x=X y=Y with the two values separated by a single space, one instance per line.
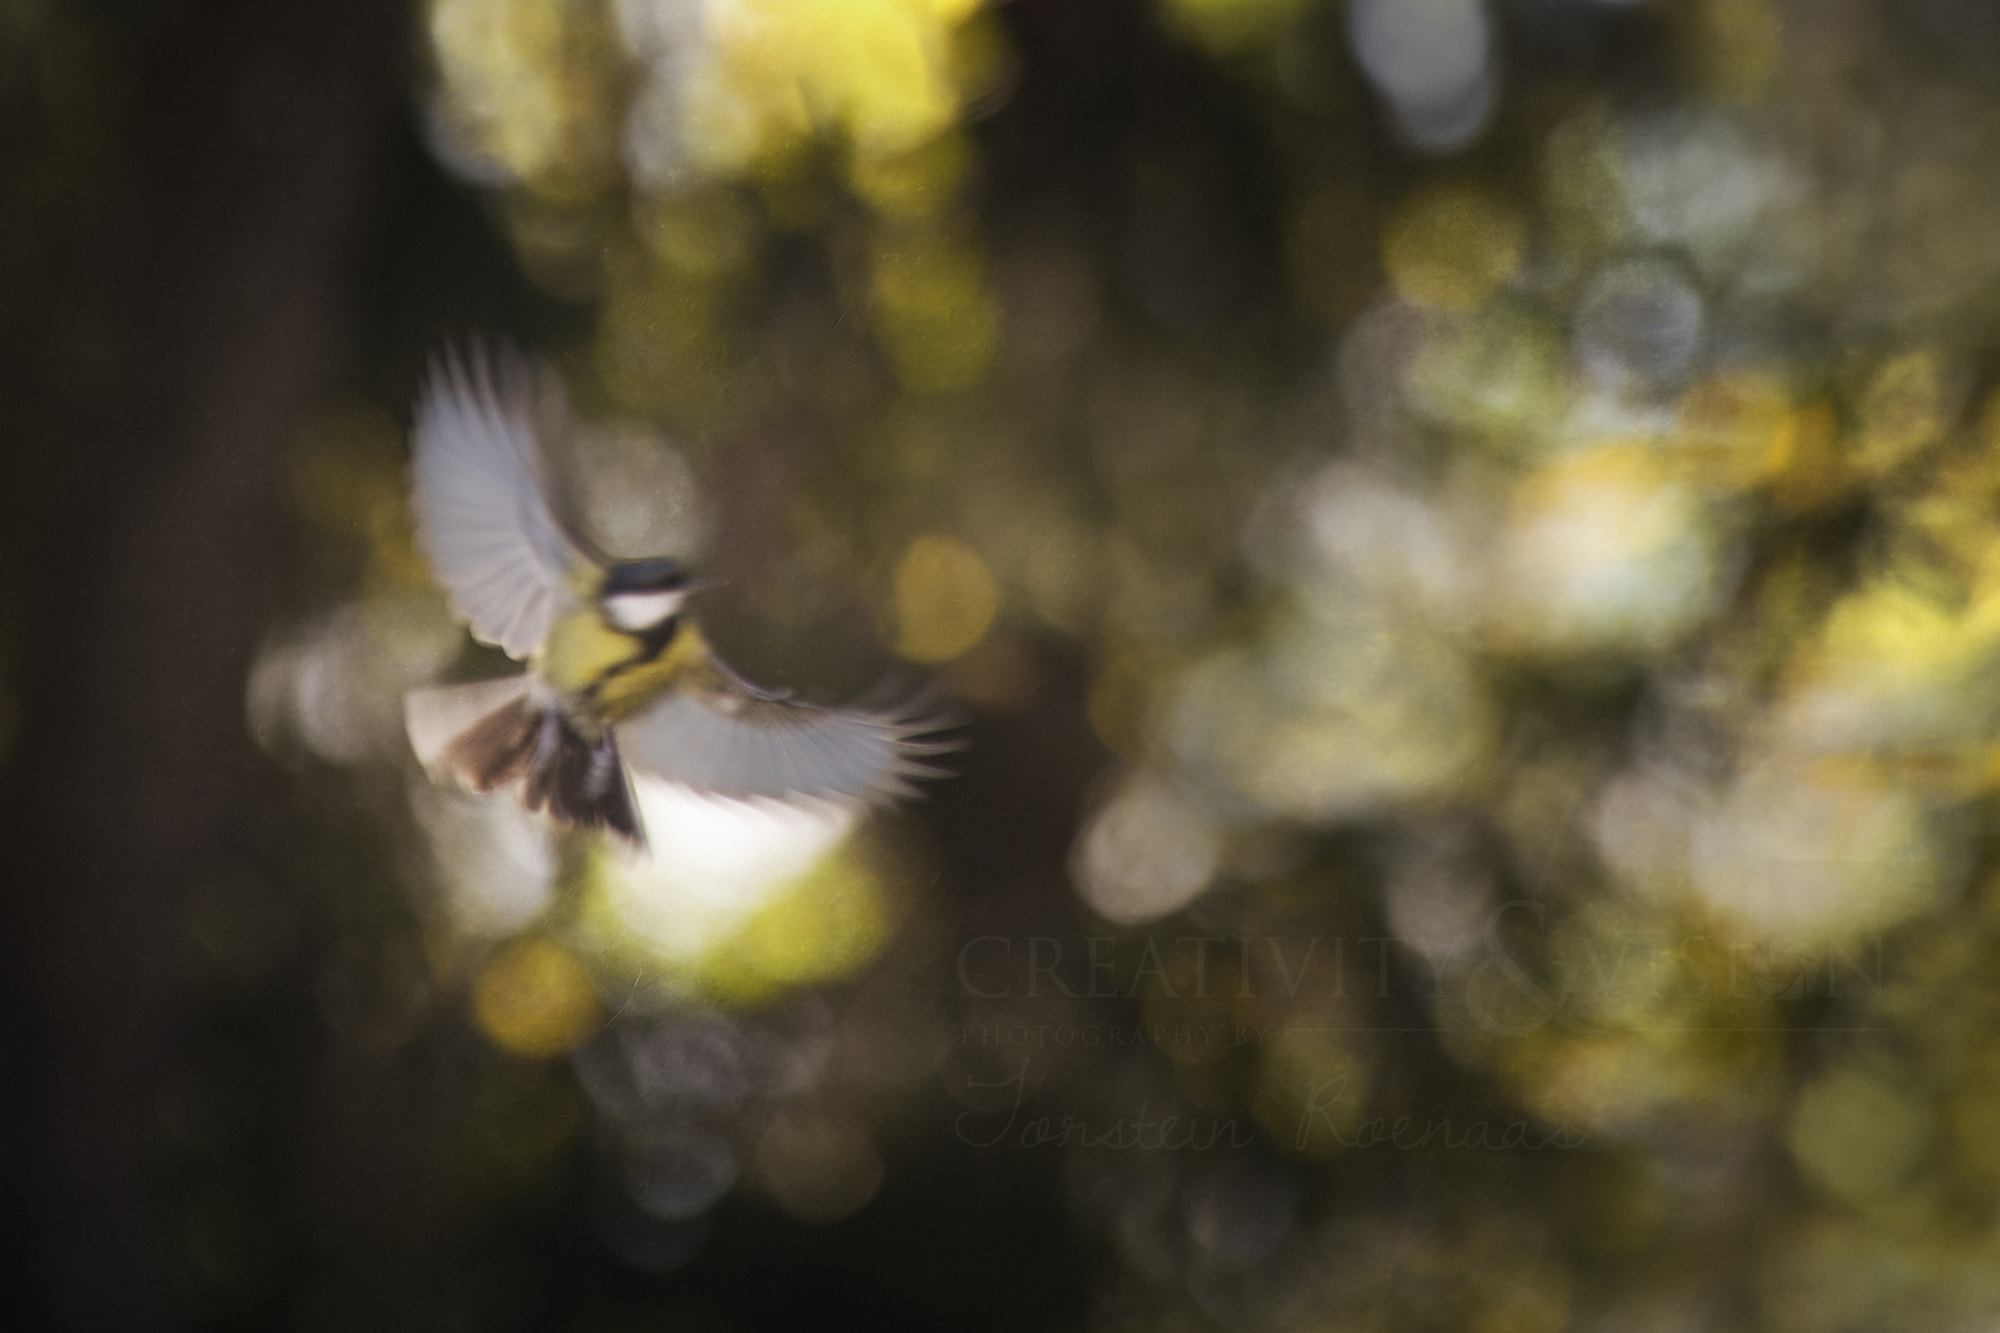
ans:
x=618 y=674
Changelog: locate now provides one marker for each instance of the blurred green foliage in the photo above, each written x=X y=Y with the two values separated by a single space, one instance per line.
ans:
x=1469 y=531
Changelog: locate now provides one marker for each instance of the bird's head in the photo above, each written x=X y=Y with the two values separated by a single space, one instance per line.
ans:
x=642 y=595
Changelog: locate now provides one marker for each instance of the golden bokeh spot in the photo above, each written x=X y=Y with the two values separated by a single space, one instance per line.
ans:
x=1727 y=429
x=1890 y=626
x=1943 y=773
x=946 y=599
x=534 y=998
x=747 y=102
x=1989 y=778
x=1818 y=847
x=879 y=71
x=1451 y=246
x=1902 y=412
x=1151 y=849
x=493 y=55
x=1856 y=1135
x=927 y=273
x=1605 y=1081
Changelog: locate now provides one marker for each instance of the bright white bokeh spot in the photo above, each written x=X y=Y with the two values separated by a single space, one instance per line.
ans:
x=1696 y=181
x=636 y=491
x=1350 y=710
x=1643 y=824
x=1638 y=326
x=677 y=1173
x=1148 y=852
x=1431 y=60
x=1807 y=848
x=1386 y=539
x=493 y=858
x=1601 y=551
x=337 y=688
x=1438 y=893
x=712 y=861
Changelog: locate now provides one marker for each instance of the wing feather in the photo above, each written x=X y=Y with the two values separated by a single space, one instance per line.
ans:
x=437 y=715
x=733 y=739
x=481 y=494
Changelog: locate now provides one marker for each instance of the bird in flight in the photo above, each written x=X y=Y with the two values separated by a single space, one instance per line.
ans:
x=619 y=677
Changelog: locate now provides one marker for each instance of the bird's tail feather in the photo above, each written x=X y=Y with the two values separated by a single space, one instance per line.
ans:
x=492 y=735
x=437 y=716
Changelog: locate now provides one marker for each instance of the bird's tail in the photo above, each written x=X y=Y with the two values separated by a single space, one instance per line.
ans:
x=493 y=734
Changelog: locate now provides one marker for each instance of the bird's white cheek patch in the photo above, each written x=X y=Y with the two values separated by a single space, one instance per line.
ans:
x=641 y=610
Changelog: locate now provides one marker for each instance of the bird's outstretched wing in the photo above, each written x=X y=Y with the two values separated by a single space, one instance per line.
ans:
x=482 y=498
x=721 y=734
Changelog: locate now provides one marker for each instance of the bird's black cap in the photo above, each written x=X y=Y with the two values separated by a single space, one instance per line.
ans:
x=645 y=576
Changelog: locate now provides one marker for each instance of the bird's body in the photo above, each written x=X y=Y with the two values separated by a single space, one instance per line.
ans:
x=607 y=674
x=619 y=676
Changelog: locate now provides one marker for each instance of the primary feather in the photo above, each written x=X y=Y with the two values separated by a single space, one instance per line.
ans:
x=481 y=495
x=724 y=736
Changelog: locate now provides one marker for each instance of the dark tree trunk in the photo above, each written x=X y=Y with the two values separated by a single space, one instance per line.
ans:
x=217 y=274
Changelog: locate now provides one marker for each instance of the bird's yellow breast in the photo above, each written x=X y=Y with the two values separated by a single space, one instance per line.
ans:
x=581 y=648
x=605 y=673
